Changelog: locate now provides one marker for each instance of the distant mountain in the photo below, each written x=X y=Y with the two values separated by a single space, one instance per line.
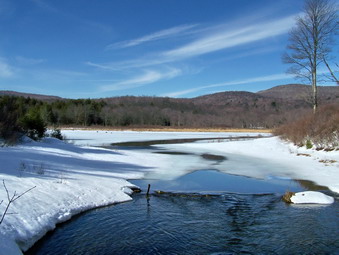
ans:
x=302 y=92
x=36 y=96
x=286 y=92
x=228 y=97
x=290 y=92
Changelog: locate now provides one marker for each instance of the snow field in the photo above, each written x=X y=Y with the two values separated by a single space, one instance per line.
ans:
x=68 y=180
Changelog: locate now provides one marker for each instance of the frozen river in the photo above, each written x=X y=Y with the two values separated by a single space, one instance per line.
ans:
x=202 y=209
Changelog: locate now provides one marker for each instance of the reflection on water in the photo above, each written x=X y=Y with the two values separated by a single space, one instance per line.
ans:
x=226 y=224
x=149 y=143
x=215 y=182
x=311 y=185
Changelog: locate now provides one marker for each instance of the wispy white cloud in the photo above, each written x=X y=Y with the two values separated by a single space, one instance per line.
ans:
x=163 y=34
x=220 y=37
x=102 y=66
x=149 y=76
x=231 y=38
x=272 y=77
x=148 y=61
x=6 y=70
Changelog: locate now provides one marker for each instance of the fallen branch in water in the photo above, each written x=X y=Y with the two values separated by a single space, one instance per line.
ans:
x=183 y=194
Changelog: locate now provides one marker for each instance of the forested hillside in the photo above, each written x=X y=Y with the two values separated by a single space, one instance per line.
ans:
x=264 y=109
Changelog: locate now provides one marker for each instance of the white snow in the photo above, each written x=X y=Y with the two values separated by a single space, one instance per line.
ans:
x=266 y=157
x=311 y=197
x=71 y=178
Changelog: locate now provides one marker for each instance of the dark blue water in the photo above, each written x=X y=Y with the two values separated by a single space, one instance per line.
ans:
x=215 y=182
x=195 y=223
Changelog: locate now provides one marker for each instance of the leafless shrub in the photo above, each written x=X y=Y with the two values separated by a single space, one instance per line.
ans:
x=320 y=129
x=37 y=168
x=22 y=168
x=40 y=169
x=62 y=178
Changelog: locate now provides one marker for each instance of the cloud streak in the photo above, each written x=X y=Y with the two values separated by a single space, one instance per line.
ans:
x=221 y=38
x=149 y=76
x=163 y=34
x=207 y=40
x=6 y=70
x=231 y=38
x=273 y=77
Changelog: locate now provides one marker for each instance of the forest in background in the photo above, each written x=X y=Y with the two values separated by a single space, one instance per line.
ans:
x=271 y=108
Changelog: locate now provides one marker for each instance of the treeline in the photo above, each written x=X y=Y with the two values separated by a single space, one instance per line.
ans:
x=30 y=116
x=231 y=110
x=26 y=115
x=19 y=115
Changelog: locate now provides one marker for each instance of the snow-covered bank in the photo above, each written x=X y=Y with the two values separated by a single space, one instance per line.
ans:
x=68 y=180
x=71 y=179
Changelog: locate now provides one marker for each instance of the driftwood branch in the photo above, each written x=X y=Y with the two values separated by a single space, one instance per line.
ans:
x=11 y=199
x=148 y=190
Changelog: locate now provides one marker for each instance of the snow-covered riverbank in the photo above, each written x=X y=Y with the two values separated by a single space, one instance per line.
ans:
x=73 y=178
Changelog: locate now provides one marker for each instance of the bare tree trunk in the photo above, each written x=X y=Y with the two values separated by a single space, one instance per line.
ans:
x=314 y=62
x=314 y=90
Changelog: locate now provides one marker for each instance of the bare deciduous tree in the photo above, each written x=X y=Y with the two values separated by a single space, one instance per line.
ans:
x=310 y=41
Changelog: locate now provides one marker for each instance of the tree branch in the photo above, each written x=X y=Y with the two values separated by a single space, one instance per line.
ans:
x=11 y=199
x=331 y=72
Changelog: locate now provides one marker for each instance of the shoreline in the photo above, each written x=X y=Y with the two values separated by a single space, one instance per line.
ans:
x=169 y=129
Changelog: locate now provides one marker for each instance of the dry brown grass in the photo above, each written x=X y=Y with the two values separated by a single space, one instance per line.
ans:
x=320 y=129
x=304 y=154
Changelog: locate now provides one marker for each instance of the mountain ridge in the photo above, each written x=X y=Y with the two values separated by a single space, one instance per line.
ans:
x=287 y=91
x=31 y=95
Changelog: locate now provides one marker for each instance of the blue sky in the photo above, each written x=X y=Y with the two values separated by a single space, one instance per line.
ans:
x=176 y=48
